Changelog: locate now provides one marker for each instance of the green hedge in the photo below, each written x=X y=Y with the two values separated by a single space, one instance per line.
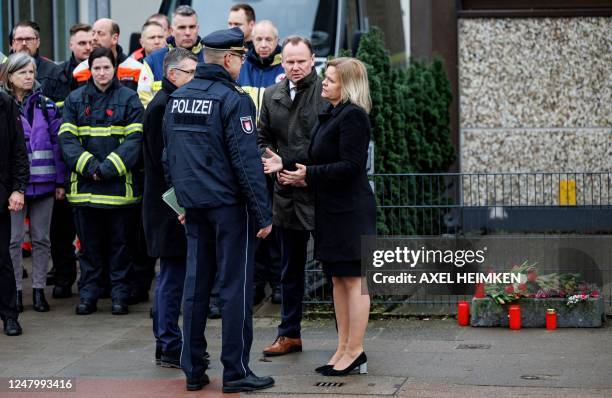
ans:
x=411 y=128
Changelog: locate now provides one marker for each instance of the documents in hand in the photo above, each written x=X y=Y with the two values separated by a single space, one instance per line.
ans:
x=170 y=198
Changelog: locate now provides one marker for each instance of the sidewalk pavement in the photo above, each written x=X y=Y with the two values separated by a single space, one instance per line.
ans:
x=113 y=356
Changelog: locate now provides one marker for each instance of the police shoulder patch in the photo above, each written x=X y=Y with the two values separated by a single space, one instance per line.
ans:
x=247 y=124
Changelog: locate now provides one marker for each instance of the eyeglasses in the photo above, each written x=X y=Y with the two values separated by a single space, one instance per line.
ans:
x=24 y=40
x=241 y=56
x=188 y=72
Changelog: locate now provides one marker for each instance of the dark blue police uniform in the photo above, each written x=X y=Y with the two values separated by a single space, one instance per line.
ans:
x=216 y=170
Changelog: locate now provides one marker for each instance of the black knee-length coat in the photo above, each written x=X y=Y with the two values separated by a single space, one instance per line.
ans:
x=164 y=235
x=345 y=208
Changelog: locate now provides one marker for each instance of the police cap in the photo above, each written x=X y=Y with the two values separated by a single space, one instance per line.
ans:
x=225 y=39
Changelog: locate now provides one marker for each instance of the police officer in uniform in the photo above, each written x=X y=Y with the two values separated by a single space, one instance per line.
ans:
x=215 y=168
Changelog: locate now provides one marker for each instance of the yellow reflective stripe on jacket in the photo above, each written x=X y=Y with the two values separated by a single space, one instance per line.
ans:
x=75 y=197
x=102 y=199
x=59 y=104
x=100 y=131
x=109 y=130
x=133 y=128
x=80 y=165
x=74 y=180
x=118 y=162
x=68 y=128
x=129 y=192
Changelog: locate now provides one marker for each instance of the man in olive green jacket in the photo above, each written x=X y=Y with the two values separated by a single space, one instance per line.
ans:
x=288 y=114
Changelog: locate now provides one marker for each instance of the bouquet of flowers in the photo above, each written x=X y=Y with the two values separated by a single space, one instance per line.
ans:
x=532 y=284
x=578 y=298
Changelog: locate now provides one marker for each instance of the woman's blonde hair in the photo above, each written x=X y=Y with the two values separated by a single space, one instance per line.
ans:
x=353 y=79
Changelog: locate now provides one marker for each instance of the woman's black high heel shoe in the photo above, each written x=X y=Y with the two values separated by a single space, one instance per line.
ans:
x=361 y=363
x=324 y=368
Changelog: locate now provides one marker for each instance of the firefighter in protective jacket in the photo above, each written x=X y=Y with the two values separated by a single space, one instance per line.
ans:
x=101 y=139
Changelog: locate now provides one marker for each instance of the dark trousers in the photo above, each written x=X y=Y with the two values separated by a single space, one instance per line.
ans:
x=104 y=236
x=267 y=255
x=167 y=305
x=62 y=237
x=8 y=290
x=143 y=266
x=293 y=245
x=219 y=240
x=267 y=263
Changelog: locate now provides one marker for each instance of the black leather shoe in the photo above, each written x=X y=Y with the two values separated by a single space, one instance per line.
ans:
x=86 y=307
x=39 y=301
x=12 y=327
x=198 y=383
x=61 y=292
x=19 y=301
x=119 y=308
x=360 y=363
x=214 y=310
x=324 y=368
x=277 y=298
x=171 y=359
x=249 y=383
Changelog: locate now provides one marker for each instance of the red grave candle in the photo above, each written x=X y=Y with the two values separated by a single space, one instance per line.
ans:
x=514 y=315
x=463 y=313
x=551 y=319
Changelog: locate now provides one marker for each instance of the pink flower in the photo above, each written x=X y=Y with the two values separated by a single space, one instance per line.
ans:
x=509 y=289
x=595 y=294
x=532 y=276
x=522 y=286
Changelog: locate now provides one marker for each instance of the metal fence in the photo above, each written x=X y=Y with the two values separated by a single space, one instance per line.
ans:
x=476 y=204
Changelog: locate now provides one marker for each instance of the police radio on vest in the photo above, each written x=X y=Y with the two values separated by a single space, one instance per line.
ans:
x=195 y=106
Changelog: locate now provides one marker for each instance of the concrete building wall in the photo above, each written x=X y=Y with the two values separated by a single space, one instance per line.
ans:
x=535 y=94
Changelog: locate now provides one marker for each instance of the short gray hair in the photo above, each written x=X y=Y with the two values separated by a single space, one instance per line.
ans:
x=175 y=56
x=185 y=11
x=15 y=62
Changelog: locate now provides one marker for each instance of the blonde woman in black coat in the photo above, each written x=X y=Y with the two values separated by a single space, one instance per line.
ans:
x=345 y=208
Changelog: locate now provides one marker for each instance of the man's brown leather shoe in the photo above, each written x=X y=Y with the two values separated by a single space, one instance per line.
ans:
x=283 y=345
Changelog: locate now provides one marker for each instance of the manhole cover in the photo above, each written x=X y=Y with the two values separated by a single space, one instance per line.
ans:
x=328 y=384
x=473 y=346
